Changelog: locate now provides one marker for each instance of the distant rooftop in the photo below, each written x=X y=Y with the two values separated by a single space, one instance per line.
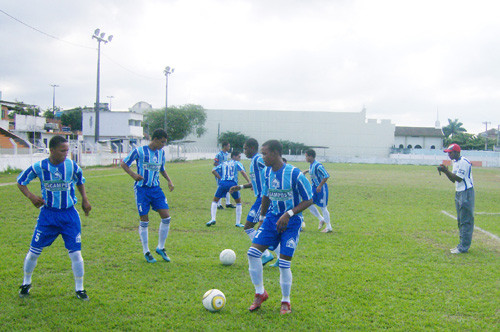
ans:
x=419 y=131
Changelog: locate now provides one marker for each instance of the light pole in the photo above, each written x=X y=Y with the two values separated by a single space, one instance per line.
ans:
x=486 y=137
x=110 y=97
x=54 y=86
x=100 y=38
x=167 y=72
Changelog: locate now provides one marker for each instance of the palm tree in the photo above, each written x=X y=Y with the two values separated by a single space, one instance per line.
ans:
x=454 y=127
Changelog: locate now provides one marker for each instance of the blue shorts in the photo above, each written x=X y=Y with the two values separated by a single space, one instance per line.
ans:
x=254 y=213
x=321 y=198
x=224 y=187
x=146 y=197
x=267 y=234
x=52 y=222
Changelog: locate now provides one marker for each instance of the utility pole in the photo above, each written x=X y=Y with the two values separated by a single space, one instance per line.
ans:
x=167 y=72
x=54 y=86
x=486 y=138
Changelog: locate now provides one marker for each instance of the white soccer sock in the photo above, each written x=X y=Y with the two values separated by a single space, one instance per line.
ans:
x=163 y=232
x=251 y=233
x=285 y=280
x=326 y=215
x=315 y=212
x=29 y=266
x=78 y=269
x=228 y=198
x=143 y=233
x=213 y=210
x=239 y=208
x=255 y=269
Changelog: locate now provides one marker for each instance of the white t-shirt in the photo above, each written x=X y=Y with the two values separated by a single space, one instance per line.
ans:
x=463 y=169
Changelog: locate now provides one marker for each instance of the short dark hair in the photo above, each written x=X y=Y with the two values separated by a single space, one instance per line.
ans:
x=55 y=141
x=284 y=159
x=235 y=153
x=159 y=133
x=252 y=143
x=224 y=143
x=311 y=153
x=274 y=145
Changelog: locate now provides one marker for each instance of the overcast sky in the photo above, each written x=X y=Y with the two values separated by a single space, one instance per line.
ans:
x=402 y=60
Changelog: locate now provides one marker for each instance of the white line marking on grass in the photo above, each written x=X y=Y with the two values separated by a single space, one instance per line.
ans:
x=488 y=213
x=475 y=227
x=7 y=184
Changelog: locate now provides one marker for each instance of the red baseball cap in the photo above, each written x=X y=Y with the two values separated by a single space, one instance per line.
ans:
x=453 y=147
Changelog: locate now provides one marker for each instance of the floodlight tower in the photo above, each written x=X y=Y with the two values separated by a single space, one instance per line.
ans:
x=54 y=86
x=99 y=36
x=167 y=72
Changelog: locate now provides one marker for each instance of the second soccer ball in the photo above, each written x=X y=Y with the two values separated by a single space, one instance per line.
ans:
x=227 y=257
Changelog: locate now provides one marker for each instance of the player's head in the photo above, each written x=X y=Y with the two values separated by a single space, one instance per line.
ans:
x=251 y=147
x=284 y=160
x=226 y=146
x=271 y=153
x=159 y=139
x=310 y=155
x=236 y=155
x=453 y=151
x=59 y=148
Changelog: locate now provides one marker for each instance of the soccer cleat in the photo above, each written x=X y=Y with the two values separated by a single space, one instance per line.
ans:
x=286 y=308
x=267 y=258
x=220 y=207
x=210 y=223
x=163 y=254
x=456 y=251
x=82 y=295
x=327 y=230
x=230 y=206
x=276 y=264
x=258 y=300
x=239 y=225
x=149 y=258
x=24 y=291
x=321 y=224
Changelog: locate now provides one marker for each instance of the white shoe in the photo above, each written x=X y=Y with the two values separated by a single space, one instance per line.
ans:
x=327 y=230
x=455 y=251
x=321 y=224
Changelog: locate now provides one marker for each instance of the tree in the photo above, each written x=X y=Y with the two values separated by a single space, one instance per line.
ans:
x=48 y=114
x=236 y=139
x=454 y=127
x=72 y=118
x=293 y=148
x=181 y=121
x=469 y=141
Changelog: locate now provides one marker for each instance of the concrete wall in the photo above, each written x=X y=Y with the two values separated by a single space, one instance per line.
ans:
x=112 y=124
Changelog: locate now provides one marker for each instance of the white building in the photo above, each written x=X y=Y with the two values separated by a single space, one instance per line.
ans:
x=343 y=134
x=114 y=127
x=418 y=138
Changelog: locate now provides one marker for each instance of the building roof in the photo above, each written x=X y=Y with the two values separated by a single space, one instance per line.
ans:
x=419 y=131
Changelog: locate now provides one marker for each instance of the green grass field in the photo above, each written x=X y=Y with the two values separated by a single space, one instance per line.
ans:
x=387 y=264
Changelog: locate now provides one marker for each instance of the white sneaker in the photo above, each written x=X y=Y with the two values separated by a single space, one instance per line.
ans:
x=321 y=224
x=327 y=230
x=455 y=251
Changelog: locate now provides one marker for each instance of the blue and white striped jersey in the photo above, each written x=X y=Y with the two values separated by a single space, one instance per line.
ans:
x=228 y=170
x=318 y=173
x=257 y=174
x=149 y=165
x=286 y=188
x=463 y=169
x=221 y=157
x=57 y=181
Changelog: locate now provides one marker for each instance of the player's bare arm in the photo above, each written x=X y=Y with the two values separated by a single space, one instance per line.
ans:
x=37 y=201
x=452 y=177
x=246 y=177
x=169 y=182
x=305 y=171
x=129 y=171
x=217 y=175
x=85 y=201
x=318 y=189
x=282 y=223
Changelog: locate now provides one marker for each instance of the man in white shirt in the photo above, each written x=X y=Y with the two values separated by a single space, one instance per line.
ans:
x=461 y=175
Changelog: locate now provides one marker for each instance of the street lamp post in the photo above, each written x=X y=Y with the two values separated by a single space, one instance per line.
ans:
x=100 y=38
x=54 y=86
x=110 y=97
x=167 y=72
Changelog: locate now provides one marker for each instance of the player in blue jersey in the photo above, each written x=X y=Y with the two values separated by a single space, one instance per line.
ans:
x=285 y=194
x=257 y=169
x=222 y=156
x=58 y=177
x=150 y=161
x=227 y=174
x=319 y=176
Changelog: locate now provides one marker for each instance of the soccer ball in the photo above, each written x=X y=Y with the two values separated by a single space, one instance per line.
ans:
x=214 y=300
x=227 y=257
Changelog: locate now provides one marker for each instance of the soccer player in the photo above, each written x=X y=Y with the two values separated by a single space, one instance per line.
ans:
x=58 y=176
x=227 y=174
x=286 y=193
x=461 y=175
x=319 y=176
x=257 y=169
x=221 y=157
x=150 y=161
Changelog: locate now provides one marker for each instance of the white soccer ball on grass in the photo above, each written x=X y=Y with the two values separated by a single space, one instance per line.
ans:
x=214 y=300
x=227 y=257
